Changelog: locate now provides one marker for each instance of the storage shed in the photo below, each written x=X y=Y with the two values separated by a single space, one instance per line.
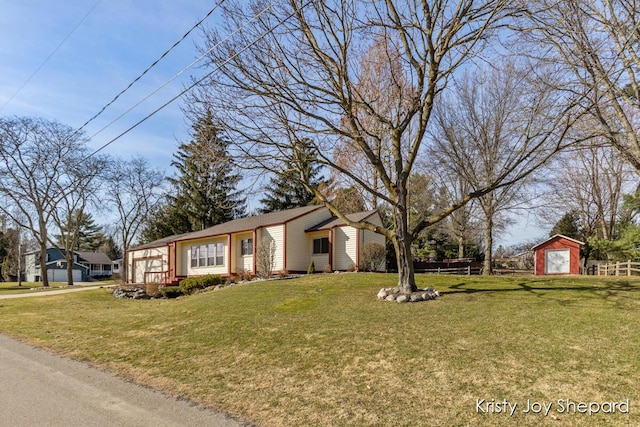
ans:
x=557 y=255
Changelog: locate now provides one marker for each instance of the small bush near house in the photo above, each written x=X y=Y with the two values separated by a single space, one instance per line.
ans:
x=327 y=269
x=192 y=284
x=312 y=268
x=170 y=291
x=373 y=256
x=153 y=290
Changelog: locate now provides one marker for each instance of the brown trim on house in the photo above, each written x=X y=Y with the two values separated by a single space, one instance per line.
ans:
x=254 y=249
x=358 y=233
x=229 y=254
x=331 y=247
x=284 y=249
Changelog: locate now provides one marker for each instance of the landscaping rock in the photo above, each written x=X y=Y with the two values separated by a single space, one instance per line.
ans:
x=402 y=298
x=391 y=294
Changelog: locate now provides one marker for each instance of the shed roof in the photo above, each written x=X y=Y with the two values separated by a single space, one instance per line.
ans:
x=556 y=237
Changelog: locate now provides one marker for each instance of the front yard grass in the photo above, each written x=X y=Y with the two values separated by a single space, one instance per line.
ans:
x=322 y=351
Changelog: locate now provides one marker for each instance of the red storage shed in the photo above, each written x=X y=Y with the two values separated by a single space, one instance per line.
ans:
x=557 y=255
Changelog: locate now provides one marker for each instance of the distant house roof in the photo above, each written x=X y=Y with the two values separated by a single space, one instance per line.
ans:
x=94 y=257
x=555 y=237
x=237 y=225
x=337 y=222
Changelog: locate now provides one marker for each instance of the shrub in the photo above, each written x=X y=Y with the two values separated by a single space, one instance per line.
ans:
x=373 y=256
x=312 y=268
x=327 y=269
x=153 y=289
x=193 y=284
x=244 y=274
x=170 y=291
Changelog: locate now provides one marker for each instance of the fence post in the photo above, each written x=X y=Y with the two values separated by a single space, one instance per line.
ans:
x=617 y=268
x=629 y=268
x=469 y=270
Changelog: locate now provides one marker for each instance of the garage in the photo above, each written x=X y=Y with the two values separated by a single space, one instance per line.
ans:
x=57 y=275
x=142 y=268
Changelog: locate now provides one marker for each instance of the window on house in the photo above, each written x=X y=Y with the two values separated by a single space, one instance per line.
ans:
x=321 y=246
x=220 y=254
x=194 y=256
x=202 y=255
x=211 y=254
x=246 y=247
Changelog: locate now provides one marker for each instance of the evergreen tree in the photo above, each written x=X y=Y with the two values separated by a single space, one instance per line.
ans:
x=206 y=184
x=286 y=190
x=568 y=225
x=167 y=219
x=89 y=235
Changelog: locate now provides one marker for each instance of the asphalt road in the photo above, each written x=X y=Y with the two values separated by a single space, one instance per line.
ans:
x=39 y=388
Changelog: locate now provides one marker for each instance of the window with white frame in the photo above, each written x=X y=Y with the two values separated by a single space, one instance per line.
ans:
x=246 y=246
x=208 y=255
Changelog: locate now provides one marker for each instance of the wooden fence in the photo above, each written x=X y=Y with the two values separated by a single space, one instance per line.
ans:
x=468 y=270
x=621 y=268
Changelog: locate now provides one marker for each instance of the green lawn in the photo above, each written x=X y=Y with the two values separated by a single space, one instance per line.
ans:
x=7 y=288
x=323 y=351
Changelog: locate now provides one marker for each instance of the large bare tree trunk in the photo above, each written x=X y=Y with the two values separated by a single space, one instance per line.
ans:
x=487 y=268
x=402 y=245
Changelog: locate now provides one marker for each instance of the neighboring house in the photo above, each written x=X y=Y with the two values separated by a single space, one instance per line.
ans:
x=99 y=264
x=297 y=236
x=56 y=267
x=557 y=255
x=85 y=265
x=116 y=268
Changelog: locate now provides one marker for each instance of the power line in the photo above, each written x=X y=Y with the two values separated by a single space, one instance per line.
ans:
x=166 y=52
x=197 y=82
x=50 y=56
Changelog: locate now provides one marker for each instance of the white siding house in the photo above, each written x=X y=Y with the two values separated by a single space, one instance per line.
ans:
x=296 y=236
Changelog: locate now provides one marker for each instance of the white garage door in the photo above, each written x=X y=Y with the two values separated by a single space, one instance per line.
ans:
x=61 y=275
x=557 y=261
x=147 y=265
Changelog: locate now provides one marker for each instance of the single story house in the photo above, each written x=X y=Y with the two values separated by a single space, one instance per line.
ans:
x=85 y=265
x=557 y=255
x=295 y=237
x=99 y=264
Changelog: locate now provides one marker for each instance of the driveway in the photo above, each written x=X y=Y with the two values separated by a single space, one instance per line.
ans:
x=78 y=287
x=41 y=388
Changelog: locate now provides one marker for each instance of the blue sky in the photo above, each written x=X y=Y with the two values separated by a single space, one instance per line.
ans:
x=112 y=46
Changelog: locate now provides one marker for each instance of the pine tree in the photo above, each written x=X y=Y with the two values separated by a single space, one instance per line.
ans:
x=206 y=184
x=82 y=227
x=286 y=190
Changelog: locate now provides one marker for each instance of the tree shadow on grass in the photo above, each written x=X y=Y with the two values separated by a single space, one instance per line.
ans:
x=618 y=290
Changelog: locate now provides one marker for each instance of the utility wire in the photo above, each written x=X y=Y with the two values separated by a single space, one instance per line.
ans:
x=206 y=76
x=181 y=71
x=166 y=52
x=50 y=55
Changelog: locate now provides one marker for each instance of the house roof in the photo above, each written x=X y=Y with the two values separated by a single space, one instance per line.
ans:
x=555 y=237
x=94 y=257
x=237 y=225
x=337 y=222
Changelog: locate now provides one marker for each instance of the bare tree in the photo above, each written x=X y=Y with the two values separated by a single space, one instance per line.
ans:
x=488 y=119
x=35 y=155
x=595 y=47
x=133 y=188
x=590 y=181
x=265 y=257
x=77 y=189
x=294 y=73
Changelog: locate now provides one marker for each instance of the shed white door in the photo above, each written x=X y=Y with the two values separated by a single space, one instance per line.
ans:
x=557 y=261
x=61 y=275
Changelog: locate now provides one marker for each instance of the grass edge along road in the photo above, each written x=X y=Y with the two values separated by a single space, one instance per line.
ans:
x=321 y=350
